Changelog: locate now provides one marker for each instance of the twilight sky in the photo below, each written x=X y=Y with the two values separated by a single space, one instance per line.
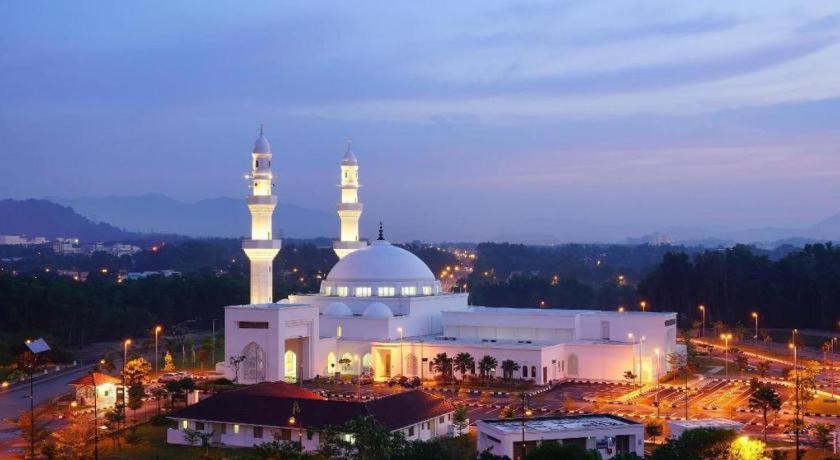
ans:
x=470 y=119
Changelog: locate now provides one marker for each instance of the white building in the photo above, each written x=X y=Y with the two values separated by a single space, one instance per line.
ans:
x=676 y=428
x=381 y=311
x=608 y=434
x=276 y=410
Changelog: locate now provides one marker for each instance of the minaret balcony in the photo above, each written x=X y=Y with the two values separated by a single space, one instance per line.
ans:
x=350 y=207
x=264 y=200
x=261 y=244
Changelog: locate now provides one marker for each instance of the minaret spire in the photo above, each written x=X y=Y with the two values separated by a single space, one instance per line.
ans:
x=349 y=208
x=381 y=236
x=262 y=247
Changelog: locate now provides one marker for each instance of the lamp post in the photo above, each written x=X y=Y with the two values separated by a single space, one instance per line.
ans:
x=36 y=347
x=125 y=359
x=643 y=304
x=157 y=332
x=725 y=338
x=95 y=424
x=755 y=316
x=641 y=348
x=656 y=397
x=796 y=423
x=402 y=369
x=703 y=324
x=526 y=412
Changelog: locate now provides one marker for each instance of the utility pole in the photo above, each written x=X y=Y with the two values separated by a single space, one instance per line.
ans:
x=95 y=424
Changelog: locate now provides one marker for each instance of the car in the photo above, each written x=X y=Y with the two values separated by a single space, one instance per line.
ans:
x=364 y=379
x=412 y=382
x=172 y=377
x=397 y=380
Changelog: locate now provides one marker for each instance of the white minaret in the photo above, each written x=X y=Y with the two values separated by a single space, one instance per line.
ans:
x=349 y=209
x=262 y=247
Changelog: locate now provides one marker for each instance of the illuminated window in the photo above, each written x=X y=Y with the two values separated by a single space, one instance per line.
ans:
x=185 y=424
x=363 y=291
x=427 y=290
x=385 y=291
x=341 y=291
x=408 y=291
x=235 y=429
x=327 y=290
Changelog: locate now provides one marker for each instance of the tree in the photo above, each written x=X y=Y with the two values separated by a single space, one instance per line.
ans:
x=765 y=398
x=486 y=365
x=113 y=419
x=550 y=450
x=682 y=367
x=630 y=376
x=158 y=392
x=762 y=367
x=742 y=362
x=361 y=438
x=75 y=440
x=463 y=362
x=279 y=450
x=744 y=448
x=135 y=398
x=168 y=362
x=822 y=433
x=507 y=412
x=653 y=429
x=193 y=437
x=178 y=389
x=234 y=362
x=508 y=368
x=459 y=418
x=443 y=365
x=697 y=444
x=136 y=370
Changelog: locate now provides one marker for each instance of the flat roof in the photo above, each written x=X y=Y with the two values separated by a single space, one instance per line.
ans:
x=495 y=343
x=706 y=423
x=556 y=311
x=560 y=423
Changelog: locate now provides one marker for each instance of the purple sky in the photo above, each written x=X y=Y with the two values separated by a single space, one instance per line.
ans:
x=470 y=119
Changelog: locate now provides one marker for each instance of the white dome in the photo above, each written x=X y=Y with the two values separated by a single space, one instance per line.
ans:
x=380 y=262
x=284 y=301
x=378 y=310
x=261 y=145
x=338 y=309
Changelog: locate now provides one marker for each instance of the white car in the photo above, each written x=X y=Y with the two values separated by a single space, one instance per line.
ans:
x=172 y=377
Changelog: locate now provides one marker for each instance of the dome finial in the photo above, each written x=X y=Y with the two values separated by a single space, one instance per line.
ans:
x=381 y=236
x=261 y=129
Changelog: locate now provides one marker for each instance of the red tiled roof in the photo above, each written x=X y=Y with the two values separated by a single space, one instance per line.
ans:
x=268 y=404
x=97 y=377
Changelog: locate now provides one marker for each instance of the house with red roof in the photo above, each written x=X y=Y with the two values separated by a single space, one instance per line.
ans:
x=96 y=384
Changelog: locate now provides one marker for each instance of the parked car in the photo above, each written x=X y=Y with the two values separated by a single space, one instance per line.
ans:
x=364 y=379
x=412 y=382
x=397 y=380
x=172 y=377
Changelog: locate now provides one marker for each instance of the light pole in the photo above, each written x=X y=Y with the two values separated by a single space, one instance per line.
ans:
x=125 y=358
x=95 y=424
x=630 y=337
x=755 y=316
x=36 y=347
x=157 y=332
x=656 y=397
x=725 y=338
x=641 y=366
x=703 y=324
x=796 y=392
x=526 y=412
x=402 y=369
x=643 y=304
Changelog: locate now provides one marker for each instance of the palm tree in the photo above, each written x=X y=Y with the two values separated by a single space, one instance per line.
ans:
x=464 y=361
x=486 y=365
x=509 y=367
x=764 y=397
x=443 y=365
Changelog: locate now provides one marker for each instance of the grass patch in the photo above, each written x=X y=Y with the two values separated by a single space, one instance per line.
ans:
x=152 y=446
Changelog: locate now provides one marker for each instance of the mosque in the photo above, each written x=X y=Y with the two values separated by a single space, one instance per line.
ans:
x=380 y=311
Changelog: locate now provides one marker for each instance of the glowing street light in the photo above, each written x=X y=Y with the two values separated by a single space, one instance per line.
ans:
x=726 y=338
x=621 y=309
x=755 y=316
x=125 y=358
x=703 y=327
x=157 y=332
x=643 y=304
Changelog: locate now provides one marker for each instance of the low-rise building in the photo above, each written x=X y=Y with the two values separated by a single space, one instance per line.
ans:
x=103 y=387
x=277 y=410
x=678 y=427
x=608 y=434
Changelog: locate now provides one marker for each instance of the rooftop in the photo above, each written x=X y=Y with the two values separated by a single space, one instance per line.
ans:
x=97 y=377
x=564 y=423
x=271 y=404
x=562 y=312
x=707 y=423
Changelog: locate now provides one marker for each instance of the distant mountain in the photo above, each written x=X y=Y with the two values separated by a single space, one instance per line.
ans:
x=51 y=220
x=216 y=217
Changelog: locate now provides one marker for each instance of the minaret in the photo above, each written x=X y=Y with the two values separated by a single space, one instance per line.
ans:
x=261 y=248
x=349 y=209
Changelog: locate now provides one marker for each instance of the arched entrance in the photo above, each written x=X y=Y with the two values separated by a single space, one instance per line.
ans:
x=332 y=364
x=290 y=366
x=367 y=364
x=253 y=369
x=346 y=363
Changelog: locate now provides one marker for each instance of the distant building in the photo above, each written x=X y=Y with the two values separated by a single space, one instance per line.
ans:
x=21 y=240
x=66 y=246
x=116 y=249
x=146 y=274
x=277 y=410
x=104 y=386
x=608 y=434
x=678 y=427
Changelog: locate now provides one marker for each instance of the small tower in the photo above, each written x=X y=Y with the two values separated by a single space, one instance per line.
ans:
x=349 y=209
x=261 y=248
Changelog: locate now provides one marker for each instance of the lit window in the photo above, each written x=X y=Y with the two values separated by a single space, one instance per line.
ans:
x=235 y=429
x=385 y=291
x=427 y=290
x=341 y=291
x=407 y=291
x=327 y=290
x=363 y=291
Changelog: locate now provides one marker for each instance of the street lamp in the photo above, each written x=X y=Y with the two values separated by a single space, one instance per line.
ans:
x=526 y=412
x=630 y=337
x=37 y=347
x=95 y=424
x=157 y=331
x=755 y=316
x=726 y=338
x=643 y=304
x=125 y=359
x=703 y=324
x=796 y=423
x=656 y=398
